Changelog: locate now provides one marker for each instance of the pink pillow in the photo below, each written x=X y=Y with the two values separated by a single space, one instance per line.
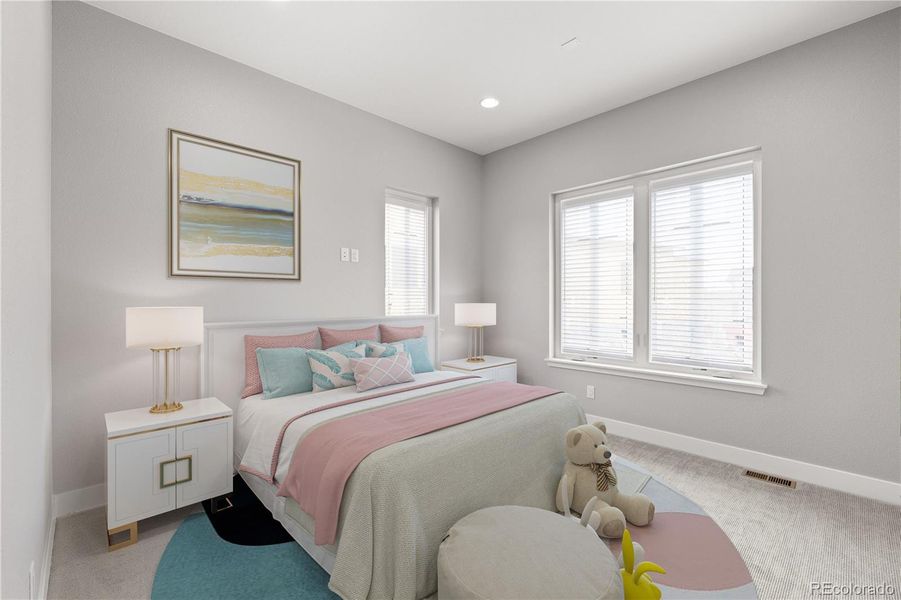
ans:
x=252 y=383
x=391 y=333
x=378 y=372
x=333 y=337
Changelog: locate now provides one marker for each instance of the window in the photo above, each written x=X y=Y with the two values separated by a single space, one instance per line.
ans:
x=681 y=304
x=408 y=253
x=702 y=270
x=596 y=275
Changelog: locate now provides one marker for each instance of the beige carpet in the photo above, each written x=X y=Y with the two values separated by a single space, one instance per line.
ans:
x=82 y=568
x=788 y=537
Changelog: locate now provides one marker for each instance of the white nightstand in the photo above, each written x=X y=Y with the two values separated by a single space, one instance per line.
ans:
x=159 y=462
x=497 y=368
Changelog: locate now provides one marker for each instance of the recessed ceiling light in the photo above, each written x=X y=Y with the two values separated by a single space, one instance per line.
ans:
x=489 y=102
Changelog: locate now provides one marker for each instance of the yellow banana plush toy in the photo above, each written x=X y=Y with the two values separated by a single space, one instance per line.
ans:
x=637 y=585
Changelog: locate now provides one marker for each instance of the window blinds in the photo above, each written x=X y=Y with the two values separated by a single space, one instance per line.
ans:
x=702 y=270
x=407 y=239
x=596 y=276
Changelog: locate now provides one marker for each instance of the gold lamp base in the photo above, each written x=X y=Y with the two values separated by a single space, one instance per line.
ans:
x=476 y=359
x=166 y=407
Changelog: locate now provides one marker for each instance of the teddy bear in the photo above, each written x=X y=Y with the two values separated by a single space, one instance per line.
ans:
x=589 y=473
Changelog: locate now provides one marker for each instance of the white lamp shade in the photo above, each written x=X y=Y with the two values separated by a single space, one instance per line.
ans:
x=163 y=326
x=475 y=314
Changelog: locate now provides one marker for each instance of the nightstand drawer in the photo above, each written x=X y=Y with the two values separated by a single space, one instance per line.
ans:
x=496 y=368
x=503 y=373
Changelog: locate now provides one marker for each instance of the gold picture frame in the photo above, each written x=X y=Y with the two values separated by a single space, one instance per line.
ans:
x=234 y=212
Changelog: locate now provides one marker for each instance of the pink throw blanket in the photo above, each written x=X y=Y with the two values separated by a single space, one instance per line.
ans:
x=326 y=457
x=269 y=476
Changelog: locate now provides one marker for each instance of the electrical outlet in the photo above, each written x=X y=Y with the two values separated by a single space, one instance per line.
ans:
x=354 y=255
x=345 y=254
x=589 y=392
x=32 y=593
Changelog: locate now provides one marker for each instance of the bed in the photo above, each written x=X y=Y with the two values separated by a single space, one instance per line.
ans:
x=400 y=500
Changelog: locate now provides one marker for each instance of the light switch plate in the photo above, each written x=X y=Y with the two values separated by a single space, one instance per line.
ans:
x=589 y=391
x=345 y=254
x=354 y=255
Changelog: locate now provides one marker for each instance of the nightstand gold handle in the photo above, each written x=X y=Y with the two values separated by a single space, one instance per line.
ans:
x=190 y=476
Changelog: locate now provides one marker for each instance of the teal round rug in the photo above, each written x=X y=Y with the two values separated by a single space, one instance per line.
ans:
x=198 y=564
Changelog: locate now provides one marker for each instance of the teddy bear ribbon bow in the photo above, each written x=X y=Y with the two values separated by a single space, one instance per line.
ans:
x=605 y=474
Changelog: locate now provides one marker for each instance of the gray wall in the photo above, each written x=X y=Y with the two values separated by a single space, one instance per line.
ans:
x=826 y=113
x=25 y=296
x=117 y=87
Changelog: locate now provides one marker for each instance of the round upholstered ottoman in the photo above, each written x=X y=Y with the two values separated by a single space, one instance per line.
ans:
x=521 y=553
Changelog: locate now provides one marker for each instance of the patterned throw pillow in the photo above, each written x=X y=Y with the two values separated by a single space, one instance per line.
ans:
x=378 y=372
x=376 y=350
x=393 y=333
x=333 y=337
x=252 y=382
x=332 y=369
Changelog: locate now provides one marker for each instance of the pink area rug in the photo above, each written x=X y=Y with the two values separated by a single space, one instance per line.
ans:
x=700 y=561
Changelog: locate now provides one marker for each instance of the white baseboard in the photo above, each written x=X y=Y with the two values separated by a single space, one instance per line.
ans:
x=79 y=500
x=843 y=481
x=44 y=587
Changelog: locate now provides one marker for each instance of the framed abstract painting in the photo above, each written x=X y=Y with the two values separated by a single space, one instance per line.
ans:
x=233 y=211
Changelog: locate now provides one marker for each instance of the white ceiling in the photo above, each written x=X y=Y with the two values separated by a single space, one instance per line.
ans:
x=427 y=65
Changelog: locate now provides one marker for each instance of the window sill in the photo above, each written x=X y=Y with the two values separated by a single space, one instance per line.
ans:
x=718 y=383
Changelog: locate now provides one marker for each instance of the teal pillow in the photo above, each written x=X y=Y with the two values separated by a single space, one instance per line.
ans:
x=418 y=349
x=284 y=371
x=344 y=346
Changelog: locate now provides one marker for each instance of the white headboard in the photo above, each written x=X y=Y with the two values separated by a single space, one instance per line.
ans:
x=222 y=353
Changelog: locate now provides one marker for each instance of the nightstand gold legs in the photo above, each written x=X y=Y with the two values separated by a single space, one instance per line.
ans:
x=131 y=528
x=220 y=503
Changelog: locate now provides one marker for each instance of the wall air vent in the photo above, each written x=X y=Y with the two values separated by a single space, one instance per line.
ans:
x=771 y=478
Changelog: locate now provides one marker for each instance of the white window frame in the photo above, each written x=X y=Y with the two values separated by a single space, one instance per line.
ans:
x=640 y=366
x=585 y=196
x=414 y=200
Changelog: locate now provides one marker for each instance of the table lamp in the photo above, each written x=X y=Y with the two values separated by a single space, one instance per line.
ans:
x=475 y=315
x=164 y=330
